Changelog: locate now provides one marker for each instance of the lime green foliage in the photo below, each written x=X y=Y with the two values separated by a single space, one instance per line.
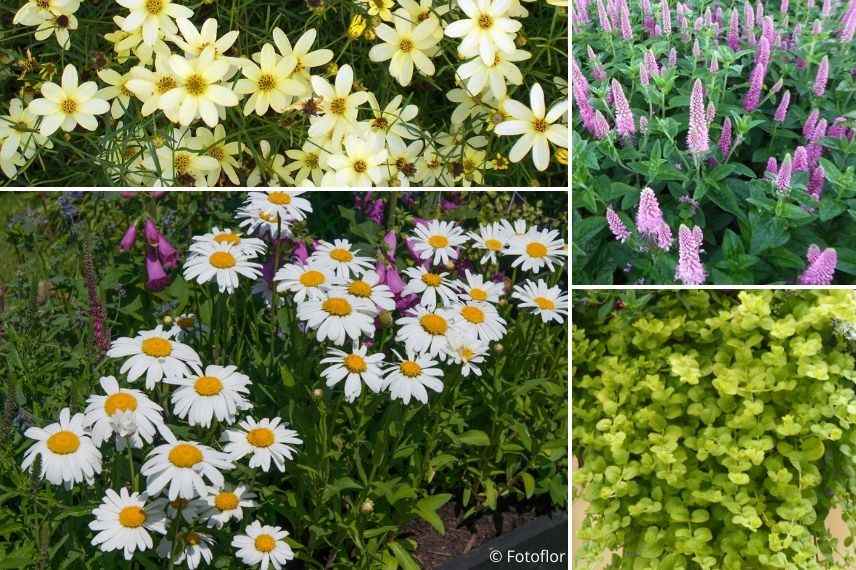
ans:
x=715 y=430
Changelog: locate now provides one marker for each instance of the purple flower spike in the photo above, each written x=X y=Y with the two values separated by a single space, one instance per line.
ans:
x=772 y=166
x=783 y=179
x=616 y=226
x=821 y=268
x=129 y=238
x=624 y=20
x=690 y=270
x=624 y=124
x=734 y=30
x=650 y=222
x=644 y=79
x=725 y=137
x=651 y=63
x=800 y=159
x=756 y=81
x=782 y=109
x=157 y=277
x=822 y=77
x=666 y=17
x=603 y=17
x=810 y=122
x=600 y=126
x=697 y=136
x=815 y=182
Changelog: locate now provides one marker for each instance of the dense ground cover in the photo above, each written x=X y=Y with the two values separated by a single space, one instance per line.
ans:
x=714 y=142
x=295 y=93
x=715 y=429
x=472 y=414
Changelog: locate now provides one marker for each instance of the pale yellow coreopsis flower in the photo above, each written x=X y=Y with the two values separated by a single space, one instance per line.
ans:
x=151 y=85
x=406 y=47
x=302 y=52
x=487 y=28
x=340 y=106
x=535 y=126
x=199 y=88
x=268 y=84
x=153 y=18
x=116 y=90
x=69 y=104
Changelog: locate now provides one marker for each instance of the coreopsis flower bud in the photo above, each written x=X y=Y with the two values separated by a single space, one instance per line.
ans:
x=690 y=270
x=367 y=507
x=821 y=268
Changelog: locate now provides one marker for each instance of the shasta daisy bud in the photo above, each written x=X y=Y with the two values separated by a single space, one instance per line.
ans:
x=821 y=268
x=782 y=109
x=690 y=270
x=815 y=182
x=616 y=226
x=822 y=77
x=367 y=507
x=697 y=136
x=725 y=137
x=783 y=178
x=624 y=124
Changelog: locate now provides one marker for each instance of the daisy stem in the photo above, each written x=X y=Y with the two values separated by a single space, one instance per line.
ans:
x=393 y=204
x=134 y=481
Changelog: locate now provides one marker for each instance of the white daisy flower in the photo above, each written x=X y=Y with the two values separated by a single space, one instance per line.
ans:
x=480 y=318
x=467 y=350
x=513 y=231
x=263 y=221
x=267 y=440
x=218 y=393
x=432 y=287
x=69 y=104
x=426 y=331
x=548 y=302
x=368 y=286
x=153 y=18
x=493 y=238
x=264 y=545
x=222 y=262
x=68 y=455
x=129 y=414
x=354 y=367
x=155 y=354
x=338 y=316
x=437 y=241
x=411 y=376
x=188 y=509
x=475 y=288
x=123 y=522
x=306 y=281
x=287 y=203
x=251 y=247
x=193 y=547
x=226 y=504
x=182 y=465
x=340 y=258
x=538 y=248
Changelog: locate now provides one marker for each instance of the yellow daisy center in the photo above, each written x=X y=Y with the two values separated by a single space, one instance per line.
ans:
x=405 y=45
x=63 y=442
x=410 y=368
x=120 y=401
x=182 y=162
x=260 y=437
x=360 y=288
x=493 y=244
x=196 y=85
x=337 y=306
x=434 y=324
x=269 y=217
x=226 y=501
x=265 y=543
x=132 y=517
x=360 y=166
x=341 y=255
x=208 y=386
x=179 y=503
x=355 y=364
x=477 y=294
x=338 y=106
x=222 y=259
x=432 y=279
x=227 y=237
x=279 y=198
x=536 y=249
x=544 y=303
x=485 y=21
x=69 y=106
x=312 y=278
x=466 y=353
x=154 y=7
x=157 y=347
x=192 y=538
x=185 y=455
x=266 y=82
x=540 y=125
x=438 y=241
x=473 y=314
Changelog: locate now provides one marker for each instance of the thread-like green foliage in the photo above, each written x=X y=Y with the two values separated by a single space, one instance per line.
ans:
x=716 y=430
